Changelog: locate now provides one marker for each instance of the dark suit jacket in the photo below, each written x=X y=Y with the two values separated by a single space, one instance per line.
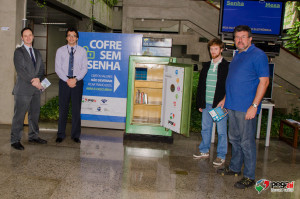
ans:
x=26 y=71
x=220 y=86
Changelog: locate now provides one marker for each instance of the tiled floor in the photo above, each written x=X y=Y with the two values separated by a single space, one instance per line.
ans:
x=104 y=166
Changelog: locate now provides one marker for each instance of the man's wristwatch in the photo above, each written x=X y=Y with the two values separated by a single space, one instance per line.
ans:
x=254 y=105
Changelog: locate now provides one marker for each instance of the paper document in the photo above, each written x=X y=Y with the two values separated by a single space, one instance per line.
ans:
x=45 y=84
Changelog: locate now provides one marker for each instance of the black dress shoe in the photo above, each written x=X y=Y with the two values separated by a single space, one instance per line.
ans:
x=58 y=140
x=18 y=146
x=77 y=140
x=38 y=141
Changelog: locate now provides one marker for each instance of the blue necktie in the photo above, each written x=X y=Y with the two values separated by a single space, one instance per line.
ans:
x=71 y=62
x=32 y=57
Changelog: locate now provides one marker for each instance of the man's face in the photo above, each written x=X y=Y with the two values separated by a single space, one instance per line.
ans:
x=215 y=51
x=242 y=40
x=27 y=38
x=72 y=38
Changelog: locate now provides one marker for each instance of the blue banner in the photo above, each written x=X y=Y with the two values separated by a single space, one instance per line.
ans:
x=105 y=84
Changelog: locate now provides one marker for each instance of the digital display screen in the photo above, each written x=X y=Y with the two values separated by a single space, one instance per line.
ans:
x=263 y=17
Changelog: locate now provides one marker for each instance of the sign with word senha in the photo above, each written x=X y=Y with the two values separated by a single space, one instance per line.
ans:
x=105 y=84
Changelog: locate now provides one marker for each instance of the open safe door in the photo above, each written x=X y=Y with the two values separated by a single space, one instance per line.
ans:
x=176 y=98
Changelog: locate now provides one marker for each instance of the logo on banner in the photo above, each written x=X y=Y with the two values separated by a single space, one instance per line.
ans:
x=84 y=99
x=103 y=101
x=90 y=54
x=262 y=185
x=171 y=123
x=172 y=115
x=282 y=186
x=276 y=186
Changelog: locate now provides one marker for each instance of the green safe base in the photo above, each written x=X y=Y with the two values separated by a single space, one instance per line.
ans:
x=151 y=138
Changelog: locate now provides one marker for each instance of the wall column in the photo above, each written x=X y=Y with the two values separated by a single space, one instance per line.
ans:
x=85 y=25
x=11 y=15
x=127 y=23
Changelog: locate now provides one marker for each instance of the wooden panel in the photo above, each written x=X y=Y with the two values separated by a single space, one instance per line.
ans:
x=155 y=72
x=154 y=96
x=146 y=110
x=146 y=121
x=147 y=84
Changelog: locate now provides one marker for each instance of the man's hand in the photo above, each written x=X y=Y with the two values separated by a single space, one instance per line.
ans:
x=260 y=92
x=36 y=83
x=251 y=112
x=221 y=103
x=72 y=82
x=200 y=110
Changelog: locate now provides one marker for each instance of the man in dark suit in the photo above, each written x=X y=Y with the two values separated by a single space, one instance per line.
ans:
x=27 y=95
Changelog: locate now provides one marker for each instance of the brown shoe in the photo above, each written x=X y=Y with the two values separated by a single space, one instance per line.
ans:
x=201 y=155
x=218 y=161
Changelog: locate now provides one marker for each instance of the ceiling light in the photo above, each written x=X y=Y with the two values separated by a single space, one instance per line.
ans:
x=54 y=23
x=35 y=17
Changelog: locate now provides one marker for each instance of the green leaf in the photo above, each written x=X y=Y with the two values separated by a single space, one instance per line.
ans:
x=287 y=37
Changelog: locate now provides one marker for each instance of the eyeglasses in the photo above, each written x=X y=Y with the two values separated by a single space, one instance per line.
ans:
x=242 y=37
x=71 y=36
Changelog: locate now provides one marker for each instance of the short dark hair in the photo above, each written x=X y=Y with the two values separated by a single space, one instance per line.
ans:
x=242 y=28
x=26 y=28
x=215 y=41
x=72 y=30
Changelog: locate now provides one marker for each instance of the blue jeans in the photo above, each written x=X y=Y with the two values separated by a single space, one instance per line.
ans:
x=242 y=137
x=207 y=124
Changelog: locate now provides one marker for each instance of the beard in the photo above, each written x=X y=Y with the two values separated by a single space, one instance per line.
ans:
x=242 y=47
x=215 y=56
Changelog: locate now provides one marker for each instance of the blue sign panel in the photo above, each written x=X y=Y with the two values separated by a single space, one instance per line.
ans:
x=262 y=17
x=105 y=84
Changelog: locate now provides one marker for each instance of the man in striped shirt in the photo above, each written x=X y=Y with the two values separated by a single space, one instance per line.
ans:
x=211 y=90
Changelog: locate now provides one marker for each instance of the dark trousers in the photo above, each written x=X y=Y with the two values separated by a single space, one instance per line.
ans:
x=65 y=94
x=24 y=103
